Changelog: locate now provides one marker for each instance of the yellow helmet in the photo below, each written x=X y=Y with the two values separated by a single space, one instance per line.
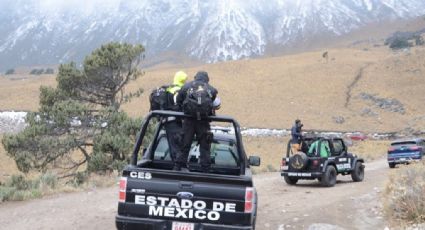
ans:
x=180 y=78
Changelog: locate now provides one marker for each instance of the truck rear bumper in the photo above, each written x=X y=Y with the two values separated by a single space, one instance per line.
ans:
x=130 y=223
x=403 y=160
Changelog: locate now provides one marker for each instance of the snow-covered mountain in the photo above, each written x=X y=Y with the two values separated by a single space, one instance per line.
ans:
x=36 y=32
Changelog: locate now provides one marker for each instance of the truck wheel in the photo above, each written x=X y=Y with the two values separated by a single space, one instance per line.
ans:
x=358 y=173
x=329 y=177
x=392 y=165
x=290 y=180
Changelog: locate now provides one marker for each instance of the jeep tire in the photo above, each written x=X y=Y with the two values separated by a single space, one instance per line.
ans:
x=298 y=161
x=358 y=173
x=290 y=180
x=329 y=177
x=392 y=165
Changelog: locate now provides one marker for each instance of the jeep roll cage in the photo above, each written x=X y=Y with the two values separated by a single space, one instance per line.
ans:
x=307 y=141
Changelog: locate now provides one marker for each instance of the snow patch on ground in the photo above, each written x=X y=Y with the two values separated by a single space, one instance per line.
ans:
x=12 y=122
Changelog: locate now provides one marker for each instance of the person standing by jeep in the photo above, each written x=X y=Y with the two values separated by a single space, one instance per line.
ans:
x=196 y=99
x=296 y=136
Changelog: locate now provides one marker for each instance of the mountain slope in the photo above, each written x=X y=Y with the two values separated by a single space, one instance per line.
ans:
x=37 y=32
x=371 y=89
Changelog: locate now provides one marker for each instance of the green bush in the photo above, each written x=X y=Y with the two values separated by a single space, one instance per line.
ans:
x=18 y=188
x=10 y=71
x=399 y=43
x=48 y=180
x=37 y=71
x=100 y=162
x=19 y=182
x=79 y=179
x=6 y=193
x=49 y=71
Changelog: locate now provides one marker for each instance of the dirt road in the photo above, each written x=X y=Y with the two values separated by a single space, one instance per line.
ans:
x=348 y=205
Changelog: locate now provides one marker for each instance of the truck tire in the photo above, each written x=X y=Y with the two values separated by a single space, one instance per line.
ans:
x=358 y=173
x=392 y=165
x=290 y=180
x=329 y=177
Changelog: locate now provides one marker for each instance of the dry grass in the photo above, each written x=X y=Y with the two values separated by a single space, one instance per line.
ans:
x=270 y=149
x=404 y=200
x=21 y=92
x=19 y=187
x=272 y=92
x=369 y=149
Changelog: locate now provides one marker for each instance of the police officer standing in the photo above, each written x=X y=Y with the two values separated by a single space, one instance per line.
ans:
x=296 y=136
x=173 y=125
x=196 y=98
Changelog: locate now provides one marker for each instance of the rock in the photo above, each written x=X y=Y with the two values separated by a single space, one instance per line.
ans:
x=295 y=219
x=338 y=119
x=281 y=227
x=388 y=104
x=367 y=112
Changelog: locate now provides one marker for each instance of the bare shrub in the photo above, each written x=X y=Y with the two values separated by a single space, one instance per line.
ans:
x=404 y=199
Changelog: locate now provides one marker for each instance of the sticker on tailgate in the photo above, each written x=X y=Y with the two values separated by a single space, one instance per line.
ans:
x=141 y=175
x=184 y=208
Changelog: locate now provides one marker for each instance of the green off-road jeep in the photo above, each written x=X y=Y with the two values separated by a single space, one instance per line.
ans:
x=314 y=164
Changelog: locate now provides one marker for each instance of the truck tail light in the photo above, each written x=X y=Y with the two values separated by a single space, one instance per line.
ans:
x=391 y=149
x=414 y=148
x=249 y=197
x=123 y=188
x=316 y=162
x=283 y=163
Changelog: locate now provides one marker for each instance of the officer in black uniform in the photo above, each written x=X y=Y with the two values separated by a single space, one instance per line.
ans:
x=173 y=125
x=198 y=126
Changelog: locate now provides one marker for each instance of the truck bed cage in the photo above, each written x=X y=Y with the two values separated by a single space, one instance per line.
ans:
x=166 y=114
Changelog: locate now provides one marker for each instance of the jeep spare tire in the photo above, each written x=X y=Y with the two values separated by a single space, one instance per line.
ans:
x=298 y=161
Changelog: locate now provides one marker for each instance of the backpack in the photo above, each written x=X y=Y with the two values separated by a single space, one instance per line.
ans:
x=198 y=102
x=159 y=98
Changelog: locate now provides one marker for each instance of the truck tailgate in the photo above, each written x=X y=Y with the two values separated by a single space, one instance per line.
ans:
x=186 y=197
